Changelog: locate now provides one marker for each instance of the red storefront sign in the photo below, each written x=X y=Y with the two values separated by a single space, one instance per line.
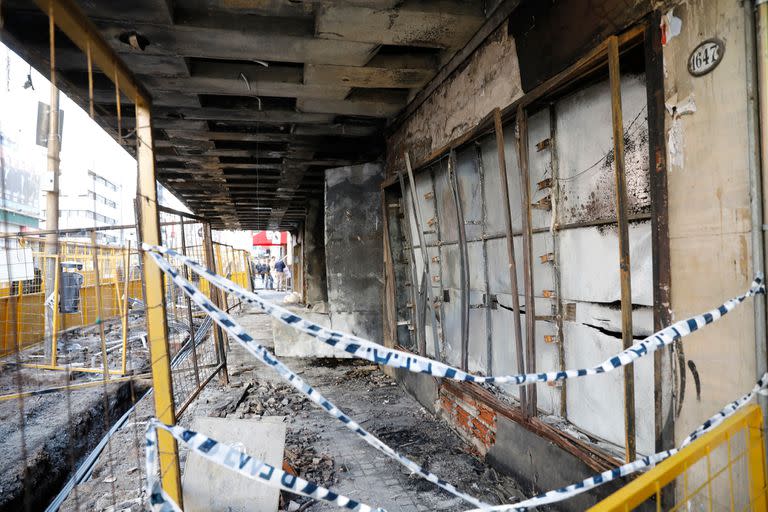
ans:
x=269 y=238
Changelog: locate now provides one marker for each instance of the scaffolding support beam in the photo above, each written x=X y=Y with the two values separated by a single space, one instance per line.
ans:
x=157 y=333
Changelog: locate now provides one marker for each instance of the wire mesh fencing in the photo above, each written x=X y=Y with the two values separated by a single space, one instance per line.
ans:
x=73 y=354
x=196 y=345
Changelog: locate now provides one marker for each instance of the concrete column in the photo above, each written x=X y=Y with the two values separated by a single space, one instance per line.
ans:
x=314 y=253
x=354 y=249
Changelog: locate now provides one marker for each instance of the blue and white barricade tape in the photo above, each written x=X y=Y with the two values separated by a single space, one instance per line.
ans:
x=379 y=354
x=158 y=500
x=263 y=355
x=640 y=464
x=233 y=459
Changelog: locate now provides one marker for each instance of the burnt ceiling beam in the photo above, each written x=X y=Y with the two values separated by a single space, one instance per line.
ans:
x=272 y=92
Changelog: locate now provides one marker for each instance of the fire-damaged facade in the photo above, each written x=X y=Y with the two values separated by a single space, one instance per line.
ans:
x=503 y=186
x=518 y=143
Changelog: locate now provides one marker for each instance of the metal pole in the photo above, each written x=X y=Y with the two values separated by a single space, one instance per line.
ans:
x=126 y=305
x=757 y=93
x=417 y=320
x=218 y=335
x=623 y=225
x=52 y=196
x=530 y=306
x=99 y=305
x=510 y=253
x=154 y=300
x=425 y=274
x=188 y=301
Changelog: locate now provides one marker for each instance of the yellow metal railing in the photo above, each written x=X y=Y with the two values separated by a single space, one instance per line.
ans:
x=233 y=264
x=22 y=303
x=722 y=470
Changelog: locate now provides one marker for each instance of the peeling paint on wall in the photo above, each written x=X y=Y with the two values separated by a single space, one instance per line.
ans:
x=490 y=78
x=675 y=140
x=671 y=26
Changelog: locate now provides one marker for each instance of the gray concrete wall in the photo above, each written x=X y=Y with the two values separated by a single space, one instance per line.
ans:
x=354 y=249
x=314 y=254
x=541 y=466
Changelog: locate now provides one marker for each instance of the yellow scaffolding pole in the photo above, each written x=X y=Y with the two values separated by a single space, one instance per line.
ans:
x=99 y=306
x=149 y=226
x=124 y=312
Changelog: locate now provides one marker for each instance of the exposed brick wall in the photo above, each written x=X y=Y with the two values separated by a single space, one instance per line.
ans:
x=473 y=420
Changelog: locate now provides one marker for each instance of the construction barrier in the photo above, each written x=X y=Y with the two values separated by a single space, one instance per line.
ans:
x=191 y=236
x=95 y=284
x=736 y=482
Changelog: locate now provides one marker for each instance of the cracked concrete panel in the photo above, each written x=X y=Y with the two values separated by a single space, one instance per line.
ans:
x=450 y=265
x=590 y=264
x=498 y=264
x=585 y=152
x=476 y=266
x=607 y=318
x=543 y=274
x=504 y=353
x=547 y=359
x=596 y=404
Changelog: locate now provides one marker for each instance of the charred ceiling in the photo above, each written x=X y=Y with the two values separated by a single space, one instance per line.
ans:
x=252 y=101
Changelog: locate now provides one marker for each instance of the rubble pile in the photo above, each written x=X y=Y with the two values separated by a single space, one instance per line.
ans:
x=267 y=398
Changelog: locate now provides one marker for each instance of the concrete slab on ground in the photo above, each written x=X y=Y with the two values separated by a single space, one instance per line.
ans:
x=208 y=486
x=292 y=343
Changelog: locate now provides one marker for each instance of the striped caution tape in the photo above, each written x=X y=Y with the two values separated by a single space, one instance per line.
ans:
x=570 y=491
x=159 y=501
x=379 y=354
x=263 y=355
x=235 y=460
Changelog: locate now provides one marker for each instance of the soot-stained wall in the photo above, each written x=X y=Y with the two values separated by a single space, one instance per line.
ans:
x=314 y=254
x=354 y=249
